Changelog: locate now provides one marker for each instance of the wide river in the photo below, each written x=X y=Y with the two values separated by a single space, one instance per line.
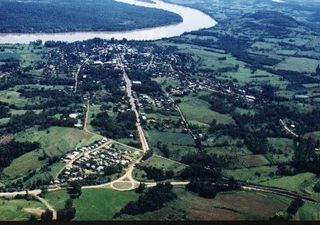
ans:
x=192 y=20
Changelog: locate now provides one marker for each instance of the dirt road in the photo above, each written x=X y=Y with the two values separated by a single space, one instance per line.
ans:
x=46 y=203
x=76 y=78
x=145 y=145
x=87 y=116
x=288 y=129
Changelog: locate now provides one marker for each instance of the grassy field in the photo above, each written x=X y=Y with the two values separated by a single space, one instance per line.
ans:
x=308 y=212
x=227 y=206
x=313 y=135
x=57 y=198
x=177 y=152
x=198 y=111
x=94 y=110
x=167 y=81
x=162 y=163
x=159 y=163
x=253 y=160
x=13 y=210
x=4 y=121
x=281 y=144
x=252 y=175
x=228 y=150
x=55 y=143
x=298 y=64
x=13 y=97
x=59 y=140
x=101 y=204
x=292 y=183
x=24 y=163
x=169 y=138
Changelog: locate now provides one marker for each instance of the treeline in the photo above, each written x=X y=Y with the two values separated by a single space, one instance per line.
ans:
x=148 y=86
x=207 y=189
x=52 y=16
x=4 y=111
x=204 y=166
x=115 y=128
x=13 y=150
x=152 y=200
x=44 y=119
x=156 y=174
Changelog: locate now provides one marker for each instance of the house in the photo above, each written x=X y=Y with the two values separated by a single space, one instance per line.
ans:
x=74 y=115
x=97 y=62
x=136 y=82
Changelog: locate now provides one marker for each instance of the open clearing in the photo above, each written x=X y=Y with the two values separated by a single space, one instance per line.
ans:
x=162 y=163
x=101 y=204
x=169 y=138
x=228 y=206
x=13 y=210
x=308 y=212
x=59 y=140
x=252 y=175
x=57 y=198
x=198 y=111
x=55 y=143
x=291 y=183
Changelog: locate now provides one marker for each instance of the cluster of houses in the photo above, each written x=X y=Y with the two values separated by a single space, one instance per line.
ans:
x=93 y=162
x=73 y=154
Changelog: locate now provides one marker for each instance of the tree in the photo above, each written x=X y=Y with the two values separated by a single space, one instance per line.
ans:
x=318 y=70
x=44 y=190
x=68 y=212
x=141 y=188
x=47 y=215
x=75 y=191
x=32 y=218
x=233 y=184
x=295 y=205
x=316 y=187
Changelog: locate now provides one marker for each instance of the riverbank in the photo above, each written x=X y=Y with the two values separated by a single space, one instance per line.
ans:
x=188 y=16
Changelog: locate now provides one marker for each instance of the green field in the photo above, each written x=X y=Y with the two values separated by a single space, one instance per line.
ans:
x=159 y=163
x=55 y=143
x=308 y=212
x=13 y=210
x=101 y=204
x=57 y=198
x=282 y=144
x=59 y=140
x=251 y=174
x=197 y=111
x=169 y=138
x=165 y=164
x=24 y=163
x=12 y=97
x=292 y=183
x=226 y=206
x=298 y=64
x=313 y=135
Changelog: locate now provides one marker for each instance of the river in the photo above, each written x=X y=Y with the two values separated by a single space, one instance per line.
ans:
x=192 y=20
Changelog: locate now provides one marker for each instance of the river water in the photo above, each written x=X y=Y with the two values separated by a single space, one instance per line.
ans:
x=192 y=20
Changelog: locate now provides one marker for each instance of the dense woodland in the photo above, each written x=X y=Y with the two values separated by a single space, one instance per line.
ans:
x=152 y=200
x=76 y=15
